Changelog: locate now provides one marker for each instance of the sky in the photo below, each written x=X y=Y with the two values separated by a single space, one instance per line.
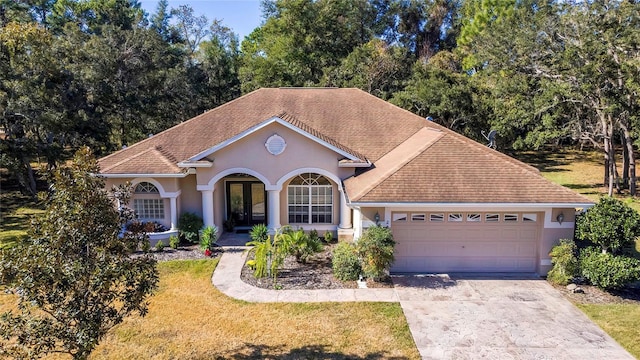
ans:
x=242 y=16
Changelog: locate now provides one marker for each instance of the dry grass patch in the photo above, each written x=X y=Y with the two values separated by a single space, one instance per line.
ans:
x=190 y=319
x=620 y=321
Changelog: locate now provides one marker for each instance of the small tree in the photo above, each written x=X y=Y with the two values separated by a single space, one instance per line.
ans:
x=610 y=224
x=74 y=279
x=375 y=248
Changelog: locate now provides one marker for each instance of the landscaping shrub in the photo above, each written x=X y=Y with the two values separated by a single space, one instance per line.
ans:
x=208 y=238
x=160 y=245
x=301 y=245
x=375 y=249
x=328 y=237
x=610 y=224
x=259 y=232
x=345 y=262
x=145 y=245
x=174 y=242
x=565 y=262
x=608 y=271
x=189 y=224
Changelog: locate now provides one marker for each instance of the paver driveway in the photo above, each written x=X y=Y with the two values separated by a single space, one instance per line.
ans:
x=490 y=318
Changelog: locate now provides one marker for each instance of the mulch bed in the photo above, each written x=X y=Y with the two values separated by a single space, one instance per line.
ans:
x=189 y=252
x=594 y=295
x=315 y=274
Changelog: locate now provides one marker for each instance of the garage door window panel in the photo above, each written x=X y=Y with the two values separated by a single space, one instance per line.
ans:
x=455 y=217
x=399 y=217
x=418 y=217
x=474 y=217
x=511 y=217
x=437 y=217
x=529 y=217
x=492 y=217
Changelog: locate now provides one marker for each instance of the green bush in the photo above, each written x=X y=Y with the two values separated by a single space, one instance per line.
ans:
x=189 y=224
x=174 y=242
x=301 y=245
x=565 y=262
x=160 y=245
x=145 y=245
x=375 y=249
x=328 y=237
x=345 y=262
x=610 y=224
x=608 y=271
x=259 y=232
x=208 y=237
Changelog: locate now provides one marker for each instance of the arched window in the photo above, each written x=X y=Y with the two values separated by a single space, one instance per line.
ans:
x=310 y=199
x=147 y=202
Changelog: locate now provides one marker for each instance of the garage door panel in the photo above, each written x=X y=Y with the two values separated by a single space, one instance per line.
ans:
x=465 y=246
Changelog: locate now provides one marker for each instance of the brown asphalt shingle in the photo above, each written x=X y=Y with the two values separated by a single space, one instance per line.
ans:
x=446 y=167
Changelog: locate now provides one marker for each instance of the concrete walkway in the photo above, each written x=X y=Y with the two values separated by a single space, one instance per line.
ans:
x=460 y=318
x=227 y=279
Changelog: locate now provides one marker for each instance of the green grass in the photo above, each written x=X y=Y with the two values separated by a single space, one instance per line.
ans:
x=620 y=321
x=16 y=212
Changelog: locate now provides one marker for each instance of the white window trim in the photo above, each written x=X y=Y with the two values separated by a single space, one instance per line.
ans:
x=309 y=205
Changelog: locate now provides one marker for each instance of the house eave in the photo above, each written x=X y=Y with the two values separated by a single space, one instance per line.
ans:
x=195 y=164
x=446 y=206
x=133 y=175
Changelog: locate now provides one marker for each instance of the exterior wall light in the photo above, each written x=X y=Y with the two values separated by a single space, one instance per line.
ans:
x=560 y=218
x=376 y=217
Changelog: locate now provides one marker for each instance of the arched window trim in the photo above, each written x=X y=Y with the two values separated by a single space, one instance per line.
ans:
x=146 y=188
x=310 y=199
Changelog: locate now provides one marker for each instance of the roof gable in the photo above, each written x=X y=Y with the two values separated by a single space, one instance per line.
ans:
x=301 y=129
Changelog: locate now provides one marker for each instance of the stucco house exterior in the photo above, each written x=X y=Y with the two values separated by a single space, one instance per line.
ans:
x=341 y=160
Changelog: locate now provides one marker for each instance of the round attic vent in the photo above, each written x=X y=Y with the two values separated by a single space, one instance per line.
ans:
x=275 y=144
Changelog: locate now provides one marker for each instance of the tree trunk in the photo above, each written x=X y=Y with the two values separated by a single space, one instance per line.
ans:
x=625 y=161
x=631 y=158
x=606 y=145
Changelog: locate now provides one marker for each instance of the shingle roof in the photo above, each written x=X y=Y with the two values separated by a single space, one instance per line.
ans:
x=350 y=119
x=414 y=160
x=457 y=170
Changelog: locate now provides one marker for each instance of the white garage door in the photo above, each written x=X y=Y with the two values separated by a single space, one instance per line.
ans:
x=465 y=242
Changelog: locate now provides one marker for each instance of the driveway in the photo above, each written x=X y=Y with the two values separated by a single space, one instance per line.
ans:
x=472 y=317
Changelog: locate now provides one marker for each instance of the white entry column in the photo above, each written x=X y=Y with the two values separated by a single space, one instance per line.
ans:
x=345 y=212
x=273 y=215
x=207 y=207
x=173 y=205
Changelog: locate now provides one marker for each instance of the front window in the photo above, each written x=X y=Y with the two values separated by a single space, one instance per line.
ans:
x=310 y=200
x=147 y=203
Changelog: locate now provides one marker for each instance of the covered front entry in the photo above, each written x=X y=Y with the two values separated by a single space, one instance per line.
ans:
x=246 y=202
x=465 y=242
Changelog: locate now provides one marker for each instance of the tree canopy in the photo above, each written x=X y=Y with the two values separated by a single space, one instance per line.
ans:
x=73 y=278
x=106 y=74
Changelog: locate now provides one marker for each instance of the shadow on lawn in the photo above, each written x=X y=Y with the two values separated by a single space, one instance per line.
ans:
x=254 y=351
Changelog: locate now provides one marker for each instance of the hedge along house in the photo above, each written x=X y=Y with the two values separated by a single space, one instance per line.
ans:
x=342 y=160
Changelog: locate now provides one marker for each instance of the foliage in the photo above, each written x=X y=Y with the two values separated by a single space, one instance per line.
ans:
x=610 y=224
x=375 y=248
x=328 y=237
x=160 y=245
x=565 y=262
x=608 y=271
x=174 y=242
x=188 y=225
x=345 y=262
x=208 y=237
x=74 y=279
x=148 y=227
x=266 y=257
x=301 y=245
x=259 y=232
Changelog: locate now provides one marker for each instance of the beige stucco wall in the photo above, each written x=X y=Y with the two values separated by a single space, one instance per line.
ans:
x=369 y=214
x=190 y=199
x=250 y=153
x=568 y=213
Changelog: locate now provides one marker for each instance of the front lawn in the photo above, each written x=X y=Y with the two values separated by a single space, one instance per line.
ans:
x=620 y=321
x=190 y=319
x=16 y=212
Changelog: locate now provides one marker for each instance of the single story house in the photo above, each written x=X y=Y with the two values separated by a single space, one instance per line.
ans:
x=342 y=160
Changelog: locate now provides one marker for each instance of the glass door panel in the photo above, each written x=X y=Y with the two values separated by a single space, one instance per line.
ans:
x=236 y=203
x=258 y=204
